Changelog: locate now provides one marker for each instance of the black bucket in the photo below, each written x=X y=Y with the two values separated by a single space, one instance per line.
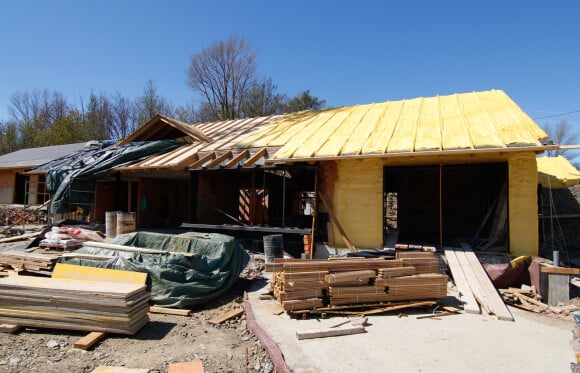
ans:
x=273 y=247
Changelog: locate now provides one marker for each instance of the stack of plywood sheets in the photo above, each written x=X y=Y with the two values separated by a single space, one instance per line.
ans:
x=73 y=304
x=29 y=261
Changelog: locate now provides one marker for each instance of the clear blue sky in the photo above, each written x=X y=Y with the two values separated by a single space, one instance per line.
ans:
x=347 y=53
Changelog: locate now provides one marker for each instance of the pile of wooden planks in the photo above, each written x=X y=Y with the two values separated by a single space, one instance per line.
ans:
x=28 y=261
x=414 y=287
x=73 y=304
x=303 y=285
x=474 y=285
x=424 y=262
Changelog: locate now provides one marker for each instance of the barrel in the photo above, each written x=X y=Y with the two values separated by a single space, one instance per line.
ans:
x=273 y=247
x=111 y=224
x=125 y=222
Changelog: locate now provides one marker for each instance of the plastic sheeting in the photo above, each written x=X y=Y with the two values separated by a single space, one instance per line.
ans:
x=174 y=279
x=81 y=172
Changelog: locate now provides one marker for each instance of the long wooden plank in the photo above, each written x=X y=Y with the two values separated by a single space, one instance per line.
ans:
x=19 y=238
x=560 y=270
x=226 y=316
x=492 y=296
x=9 y=328
x=330 y=332
x=471 y=278
x=465 y=294
x=89 y=340
x=170 y=311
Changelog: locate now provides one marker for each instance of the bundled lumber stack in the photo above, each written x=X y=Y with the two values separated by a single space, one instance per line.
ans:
x=301 y=285
x=424 y=262
x=414 y=287
x=111 y=307
x=299 y=290
x=28 y=261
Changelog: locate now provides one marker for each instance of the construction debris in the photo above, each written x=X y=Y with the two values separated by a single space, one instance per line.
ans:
x=21 y=260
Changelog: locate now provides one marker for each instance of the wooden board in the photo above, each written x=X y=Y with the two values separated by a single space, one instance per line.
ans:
x=493 y=298
x=226 y=316
x=195 y=366
x=169 y=311
x=560 y=270
x=330 y=332
x=69 y=271
x=9 y=328
x=465 y=294
x=89 y=340
x=472 y=280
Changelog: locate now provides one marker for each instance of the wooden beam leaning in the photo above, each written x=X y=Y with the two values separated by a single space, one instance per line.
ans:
x=349 y=244
x=465 y=294
x=492 y=296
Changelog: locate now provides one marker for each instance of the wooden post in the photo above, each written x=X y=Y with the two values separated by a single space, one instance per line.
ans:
x=314 y=213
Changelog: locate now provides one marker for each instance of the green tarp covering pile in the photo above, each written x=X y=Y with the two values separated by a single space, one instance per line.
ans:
x=210 y=266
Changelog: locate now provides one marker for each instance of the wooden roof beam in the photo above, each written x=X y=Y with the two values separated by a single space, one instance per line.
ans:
x=237 y=159
x=202 y=160
x=219 y=159
x=253 y=159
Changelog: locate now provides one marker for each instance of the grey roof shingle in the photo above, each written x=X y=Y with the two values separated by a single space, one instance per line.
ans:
x=32 y=157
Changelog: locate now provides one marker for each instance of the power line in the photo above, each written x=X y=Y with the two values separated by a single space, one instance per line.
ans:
x=558 y=115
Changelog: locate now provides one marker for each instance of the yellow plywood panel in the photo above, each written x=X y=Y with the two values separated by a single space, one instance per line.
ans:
x=326 y=135
x=428 y=127
x=386 y=120
x=353 y=122
x=305 y=132
x=523 y=207
x=365 y=130
x=403 y=139
x=557 y=172
x=511 y=124
x=358 y=203
x=280 y=130
x=74 y=272
x=454 y=133
x=479 y=124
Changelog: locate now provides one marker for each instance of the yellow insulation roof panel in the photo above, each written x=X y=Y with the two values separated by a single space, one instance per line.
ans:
x=467 y=121
x=557 y=172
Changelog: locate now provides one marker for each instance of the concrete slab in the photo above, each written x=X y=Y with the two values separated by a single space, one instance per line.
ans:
x=457 y=343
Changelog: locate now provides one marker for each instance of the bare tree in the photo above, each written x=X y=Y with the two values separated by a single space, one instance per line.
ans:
x=562 y=134
x=221 y=74
x=151 y=103
x=124 y=115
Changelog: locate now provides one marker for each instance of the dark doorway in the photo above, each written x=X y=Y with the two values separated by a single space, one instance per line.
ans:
x=447 y=205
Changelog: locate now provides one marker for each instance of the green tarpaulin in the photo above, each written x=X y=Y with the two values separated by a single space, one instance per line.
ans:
x=198 y=267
